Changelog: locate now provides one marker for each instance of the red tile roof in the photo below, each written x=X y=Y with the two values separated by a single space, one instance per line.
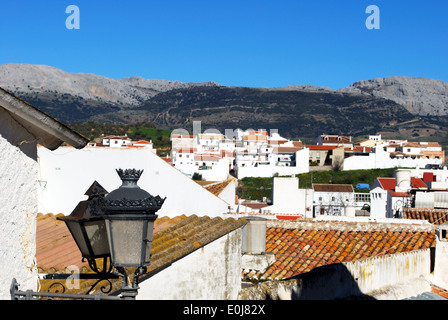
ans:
x=320 y=147
x=55 y=247
x=217 y=188
x=434 y=216
x=335 y=139
x=389 y=183
x=301 y=246
x=255 y=205
x=286 y=149
x=207 y=157
x=173 y=238
x=332 y=187
x=185 y=150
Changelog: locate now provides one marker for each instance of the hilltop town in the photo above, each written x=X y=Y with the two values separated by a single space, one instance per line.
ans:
x=284 y=245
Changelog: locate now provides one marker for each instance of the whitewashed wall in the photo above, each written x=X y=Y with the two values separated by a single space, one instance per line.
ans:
x=228 y=195
x=212 y=272
x=302 y=166
x=286 y=196
x=18 y=206
x=391 y=270
x=441 y=263
x=67 y=173
x=380 y=159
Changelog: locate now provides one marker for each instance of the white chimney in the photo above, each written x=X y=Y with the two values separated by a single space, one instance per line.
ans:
x=403 y=180
x=254 y=236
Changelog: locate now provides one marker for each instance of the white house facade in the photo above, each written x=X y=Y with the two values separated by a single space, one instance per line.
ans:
x=66 y=173
x=22 y=128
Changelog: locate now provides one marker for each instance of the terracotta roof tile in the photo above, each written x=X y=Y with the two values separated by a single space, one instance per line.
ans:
x=434 y=216
x=332 y=187
x=217 y=188
x=173 y=238
x=303 y=245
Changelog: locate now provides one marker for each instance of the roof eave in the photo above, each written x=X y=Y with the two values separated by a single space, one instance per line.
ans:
x=48 y=131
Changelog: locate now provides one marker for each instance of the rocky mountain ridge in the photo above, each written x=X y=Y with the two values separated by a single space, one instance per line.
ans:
x=420 y=96
x=27 y=79
x=396 y=106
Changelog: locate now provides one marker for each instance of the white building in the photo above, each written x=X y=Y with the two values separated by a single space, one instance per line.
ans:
x=282 y=161
x=116 y=141
x=334 y=199
x=183 y=141
x=210 y=166
x=287 y=198
x=391 y=156
x=66 y=173
x=433 y=178
x=22 y=128
x=249 y=153
x=388 y=196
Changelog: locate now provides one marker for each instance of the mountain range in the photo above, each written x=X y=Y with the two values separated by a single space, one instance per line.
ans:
x=393 y=106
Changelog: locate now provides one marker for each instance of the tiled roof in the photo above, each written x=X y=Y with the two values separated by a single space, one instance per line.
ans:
x=434 y=216
x=255 y=205
x=335 y=139
x=332 y=187
x=300 y=246
x=207 y=157
x=217 y=188
x=287 y=149
x=320 y=147
x=389 y=183
x=173 y=238
x=55 y=247
x=184 y=150
x=358 y=149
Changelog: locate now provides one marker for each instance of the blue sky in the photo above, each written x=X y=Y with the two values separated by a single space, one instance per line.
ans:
x=260 y=43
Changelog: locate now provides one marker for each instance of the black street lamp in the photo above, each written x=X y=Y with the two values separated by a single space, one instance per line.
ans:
x=88 y=228
x=129 y=214
x=118 y=226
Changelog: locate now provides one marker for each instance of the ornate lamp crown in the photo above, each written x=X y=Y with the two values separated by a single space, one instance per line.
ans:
x=129 y=174
x=130 y=197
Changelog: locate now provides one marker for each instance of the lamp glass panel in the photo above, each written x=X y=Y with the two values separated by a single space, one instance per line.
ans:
x=97 y=234
x=76 y=231
x=125 y=237
x=149 y=236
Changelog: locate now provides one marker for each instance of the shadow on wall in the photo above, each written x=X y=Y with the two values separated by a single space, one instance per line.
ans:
x=330 y=282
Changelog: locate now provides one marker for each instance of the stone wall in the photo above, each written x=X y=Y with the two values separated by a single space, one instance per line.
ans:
x=212 y=272
x=18 y=205
x=394 y=276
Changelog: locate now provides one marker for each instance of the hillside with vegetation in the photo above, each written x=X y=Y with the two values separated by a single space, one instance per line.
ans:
x=394 y=107
x=259 y=188
x=144 y=131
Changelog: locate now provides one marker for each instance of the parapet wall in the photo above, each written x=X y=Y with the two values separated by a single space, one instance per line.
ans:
x=394 y=276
